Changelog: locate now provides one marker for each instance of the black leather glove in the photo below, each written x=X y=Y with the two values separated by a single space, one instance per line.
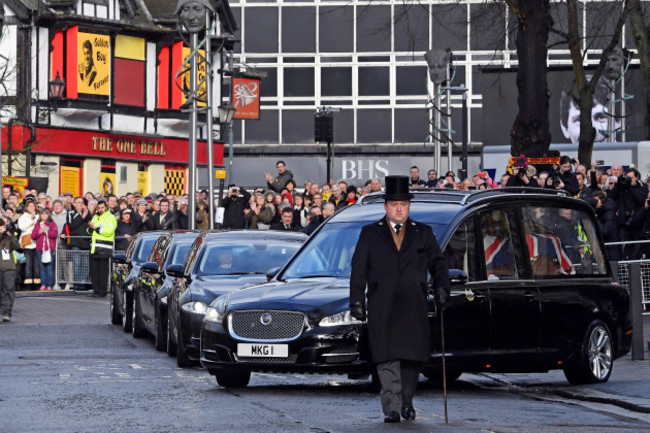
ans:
x=442 y=297
x=358 y=311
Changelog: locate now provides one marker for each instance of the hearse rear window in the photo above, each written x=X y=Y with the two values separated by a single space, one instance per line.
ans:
x=562 y=242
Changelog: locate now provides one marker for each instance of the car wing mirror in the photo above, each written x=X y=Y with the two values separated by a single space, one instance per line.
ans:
x=151 y=267
x=119 y=258
x=457 y=276
x=175 y=271
x=271 y=273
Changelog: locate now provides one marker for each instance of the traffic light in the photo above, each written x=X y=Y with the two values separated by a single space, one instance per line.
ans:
x=323 y=127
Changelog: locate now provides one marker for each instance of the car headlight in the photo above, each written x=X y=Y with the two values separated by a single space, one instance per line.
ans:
x=196 y=307
x=213 y=315
x=342 y=318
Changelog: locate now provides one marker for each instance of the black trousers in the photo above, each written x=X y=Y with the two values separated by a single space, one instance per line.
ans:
x=99 y=274
x=399 y=380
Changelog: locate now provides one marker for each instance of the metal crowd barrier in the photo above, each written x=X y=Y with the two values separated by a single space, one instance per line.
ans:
x=73 y=266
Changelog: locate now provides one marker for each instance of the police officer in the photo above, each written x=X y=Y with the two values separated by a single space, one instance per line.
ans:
x=102 y=229
x=391 y=260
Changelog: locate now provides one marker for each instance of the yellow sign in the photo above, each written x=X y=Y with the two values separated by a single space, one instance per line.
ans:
x=107 y=182
x=70 y=180
x=220 y=174
x=143 y=182
x=94 y=68
x=16 y=183
x=201 y=93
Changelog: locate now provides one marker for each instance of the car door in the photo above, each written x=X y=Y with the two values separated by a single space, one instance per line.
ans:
x=515 y=301
x=467 y=315
x=152 y=280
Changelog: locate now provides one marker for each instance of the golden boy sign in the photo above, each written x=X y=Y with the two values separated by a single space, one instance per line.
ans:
x=93 y=70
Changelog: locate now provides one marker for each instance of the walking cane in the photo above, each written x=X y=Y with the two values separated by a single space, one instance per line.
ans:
x=444 y=367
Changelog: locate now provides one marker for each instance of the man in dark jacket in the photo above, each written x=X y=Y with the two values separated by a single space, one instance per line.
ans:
x=234 y=205
x=607 y=222
x=391 y=259
x=630 y=196
x=286 y=221
x=77 y=228
x=315 y=219
x=563 y=178
x=281 y=180
x=163 y=219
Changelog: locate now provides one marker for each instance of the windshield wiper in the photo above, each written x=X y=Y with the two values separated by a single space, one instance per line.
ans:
x=319 y=276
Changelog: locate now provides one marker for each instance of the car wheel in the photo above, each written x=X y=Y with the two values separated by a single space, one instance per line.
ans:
x=116 y=317
x=171 y=343
x=181 y=358
x=161 y=338
x=233 y=379
x=137 y=329
x=593 y=361
x=434 y=374
x=127 y=315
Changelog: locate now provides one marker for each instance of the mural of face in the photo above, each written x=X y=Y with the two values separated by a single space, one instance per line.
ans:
x=438 y=62
x=192 y=14
x=614 y=65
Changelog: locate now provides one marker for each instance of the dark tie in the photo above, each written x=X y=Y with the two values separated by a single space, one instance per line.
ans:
x=398 y=227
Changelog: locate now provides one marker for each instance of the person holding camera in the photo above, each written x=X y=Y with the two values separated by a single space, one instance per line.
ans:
x=8 y=243
x=234 y=205
x=630 y=196
x=523 y=174
x=102 y=229
x=563 y=178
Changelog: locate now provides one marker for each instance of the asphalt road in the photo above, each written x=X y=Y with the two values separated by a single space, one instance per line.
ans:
x=65 y=368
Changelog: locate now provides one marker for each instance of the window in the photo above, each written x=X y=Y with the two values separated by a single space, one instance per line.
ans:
x=461 y=251
x=562 y=242
x=497 y=231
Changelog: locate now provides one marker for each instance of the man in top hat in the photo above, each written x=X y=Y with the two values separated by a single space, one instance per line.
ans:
x=391 y=260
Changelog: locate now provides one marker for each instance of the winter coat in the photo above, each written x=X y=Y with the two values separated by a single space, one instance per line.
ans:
x=48 y=237
x=630 y=202
x=26 y=225
x=78 y=227
x=398 y=322
x=280 y=181
x=233 y=215
x=10 y=243
x=167 y=223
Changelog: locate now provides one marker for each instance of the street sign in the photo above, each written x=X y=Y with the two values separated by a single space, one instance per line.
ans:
x=220 y=173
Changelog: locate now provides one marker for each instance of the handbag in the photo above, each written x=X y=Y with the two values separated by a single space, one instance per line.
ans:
x=46 y=256
x=25 y=240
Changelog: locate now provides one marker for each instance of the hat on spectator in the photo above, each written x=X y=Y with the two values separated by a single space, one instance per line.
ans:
x=29 y=197
x=149 y=200
x=141 y=201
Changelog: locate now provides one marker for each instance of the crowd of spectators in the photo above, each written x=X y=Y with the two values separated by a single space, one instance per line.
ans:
x=619 y=197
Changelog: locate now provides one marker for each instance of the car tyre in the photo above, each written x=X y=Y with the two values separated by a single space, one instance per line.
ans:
x=127 y=315
x=233 y=379
x=116 y=317
x=181 y=358
x=594 y=359
x=161 y=337
x=171 y=343
x=434 y=374
x=137 y=328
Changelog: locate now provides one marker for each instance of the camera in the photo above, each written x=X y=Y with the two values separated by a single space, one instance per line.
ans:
x=554 y=176
x=573 y=161
x=521 y=172
x=623 y=181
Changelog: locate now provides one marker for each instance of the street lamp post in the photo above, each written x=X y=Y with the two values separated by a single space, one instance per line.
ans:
x=226 y=114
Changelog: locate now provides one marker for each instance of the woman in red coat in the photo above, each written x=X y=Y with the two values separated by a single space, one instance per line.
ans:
x=45 y=233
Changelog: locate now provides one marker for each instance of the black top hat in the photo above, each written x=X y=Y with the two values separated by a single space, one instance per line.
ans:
x=397 y=188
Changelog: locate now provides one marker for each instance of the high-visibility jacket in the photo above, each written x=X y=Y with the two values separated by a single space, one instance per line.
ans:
x=103 y=235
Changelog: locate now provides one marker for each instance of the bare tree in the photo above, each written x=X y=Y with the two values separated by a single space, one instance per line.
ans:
x=640 y=34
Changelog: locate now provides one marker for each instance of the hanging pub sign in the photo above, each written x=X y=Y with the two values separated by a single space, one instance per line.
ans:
x=246 y=97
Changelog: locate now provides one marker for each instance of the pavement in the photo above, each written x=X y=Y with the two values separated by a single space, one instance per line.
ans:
x=627 y=388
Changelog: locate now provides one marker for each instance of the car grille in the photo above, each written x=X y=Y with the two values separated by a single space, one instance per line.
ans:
x=283 y=326
x=263 y=360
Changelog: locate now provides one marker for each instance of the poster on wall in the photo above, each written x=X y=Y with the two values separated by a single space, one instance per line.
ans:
x=93 y=69
x=500 y=106
x=107 y=182
x=202 y=95
x=69 y=180
x=246 y=98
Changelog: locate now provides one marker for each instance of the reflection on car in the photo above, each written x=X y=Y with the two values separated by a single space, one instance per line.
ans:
x=219 y=263
x=531 y=291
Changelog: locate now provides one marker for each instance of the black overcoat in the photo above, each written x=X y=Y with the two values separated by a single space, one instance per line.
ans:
x=396 y=282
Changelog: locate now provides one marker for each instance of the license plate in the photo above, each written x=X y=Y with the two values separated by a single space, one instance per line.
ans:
x=263 y=350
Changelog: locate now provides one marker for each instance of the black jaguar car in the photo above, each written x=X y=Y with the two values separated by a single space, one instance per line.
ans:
x=219 y=263
x=531 y=291
x=152 y=285
x=125 y=269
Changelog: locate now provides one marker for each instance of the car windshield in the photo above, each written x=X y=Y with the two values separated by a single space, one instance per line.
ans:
x=329 y=253
x=237 y=259
x=143 y=251
x=178 y=254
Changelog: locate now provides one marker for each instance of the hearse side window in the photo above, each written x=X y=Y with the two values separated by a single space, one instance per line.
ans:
x=461 y=252
x=562 y=242
x=497 y=232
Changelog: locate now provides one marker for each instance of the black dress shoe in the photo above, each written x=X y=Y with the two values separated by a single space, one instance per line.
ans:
x=408 y=412
x=392 y=417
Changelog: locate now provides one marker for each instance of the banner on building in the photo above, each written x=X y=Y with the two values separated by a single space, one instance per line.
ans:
x=202 y=92
x=246 y=98
x=94 y=66
x=18 y=184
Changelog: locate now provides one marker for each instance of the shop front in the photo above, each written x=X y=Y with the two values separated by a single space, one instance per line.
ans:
x=76 y=161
